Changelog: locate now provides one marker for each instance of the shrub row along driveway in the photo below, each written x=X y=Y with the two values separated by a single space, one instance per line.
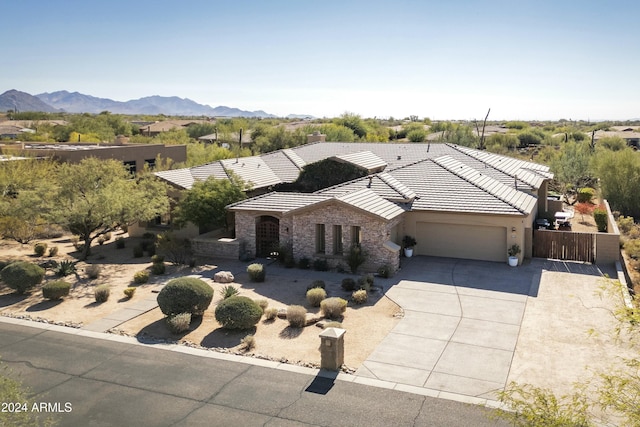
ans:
x=461 y=325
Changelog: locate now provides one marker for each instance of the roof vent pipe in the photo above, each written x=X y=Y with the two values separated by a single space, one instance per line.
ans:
x=399 y=157
x=370 y=182
x=428 y=146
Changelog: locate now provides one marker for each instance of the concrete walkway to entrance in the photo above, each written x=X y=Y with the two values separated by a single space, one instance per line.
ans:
x=461 y=324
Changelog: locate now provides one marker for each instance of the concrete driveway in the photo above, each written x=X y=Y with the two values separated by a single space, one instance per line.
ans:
x=462 y=321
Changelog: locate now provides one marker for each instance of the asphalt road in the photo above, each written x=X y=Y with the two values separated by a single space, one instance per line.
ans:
x=106 y=383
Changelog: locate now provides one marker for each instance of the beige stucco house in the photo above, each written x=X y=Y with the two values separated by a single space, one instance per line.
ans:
x=456 y=201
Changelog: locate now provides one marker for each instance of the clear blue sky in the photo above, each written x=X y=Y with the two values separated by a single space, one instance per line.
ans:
x=454 y=59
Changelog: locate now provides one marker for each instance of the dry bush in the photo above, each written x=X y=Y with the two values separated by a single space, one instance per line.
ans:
x=297 y=316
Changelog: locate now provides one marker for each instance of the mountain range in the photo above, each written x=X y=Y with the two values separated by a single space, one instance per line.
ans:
x=75 y=102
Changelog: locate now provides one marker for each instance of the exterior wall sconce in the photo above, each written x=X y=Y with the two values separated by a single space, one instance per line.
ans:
x=513 y=229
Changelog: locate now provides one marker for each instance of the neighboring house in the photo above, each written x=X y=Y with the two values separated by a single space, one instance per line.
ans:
x=13 y=132
x=154 y=129
x=630 y=134
x=457 y=202
x=133 y=156
x=230 y=140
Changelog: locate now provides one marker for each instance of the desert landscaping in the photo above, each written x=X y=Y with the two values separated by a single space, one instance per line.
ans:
x=366 y=324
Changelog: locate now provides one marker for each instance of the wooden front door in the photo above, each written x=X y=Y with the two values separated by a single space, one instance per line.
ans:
x=267 y=235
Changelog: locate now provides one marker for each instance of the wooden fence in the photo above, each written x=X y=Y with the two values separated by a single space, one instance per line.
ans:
x=564 y=245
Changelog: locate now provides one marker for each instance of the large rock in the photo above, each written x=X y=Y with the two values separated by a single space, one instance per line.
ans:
x=223 y=277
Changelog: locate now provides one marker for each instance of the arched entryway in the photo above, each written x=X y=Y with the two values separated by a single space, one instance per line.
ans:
x=267 y=235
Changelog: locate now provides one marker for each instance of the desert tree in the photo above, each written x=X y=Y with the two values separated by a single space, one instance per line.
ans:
x=95 y=196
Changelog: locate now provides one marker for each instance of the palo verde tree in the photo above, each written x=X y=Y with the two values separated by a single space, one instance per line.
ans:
x=571 y=169
x=95 y=196
x=619 y=172
x=24 y=188
x=204 y=204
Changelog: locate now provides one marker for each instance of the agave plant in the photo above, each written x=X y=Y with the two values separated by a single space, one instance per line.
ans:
x=65 y=268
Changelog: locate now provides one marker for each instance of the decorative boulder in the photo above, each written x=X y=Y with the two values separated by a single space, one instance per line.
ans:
x=223 y=277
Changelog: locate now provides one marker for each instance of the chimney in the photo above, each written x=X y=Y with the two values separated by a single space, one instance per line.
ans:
x=316 y=136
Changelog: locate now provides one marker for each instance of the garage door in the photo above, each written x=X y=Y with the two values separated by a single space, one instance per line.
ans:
x=462 y=241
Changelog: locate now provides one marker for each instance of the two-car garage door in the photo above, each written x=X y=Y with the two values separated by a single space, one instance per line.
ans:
x=462 y=241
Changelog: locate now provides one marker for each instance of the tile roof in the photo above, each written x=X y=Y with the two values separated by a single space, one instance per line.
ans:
x=441 y=177
x=520 y=200
x=285 y=203
x=368 y=201
x=278 y=202
x=363 y=159
x=253 y=170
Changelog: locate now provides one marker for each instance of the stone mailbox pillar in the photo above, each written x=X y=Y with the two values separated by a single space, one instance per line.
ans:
x=332 y=349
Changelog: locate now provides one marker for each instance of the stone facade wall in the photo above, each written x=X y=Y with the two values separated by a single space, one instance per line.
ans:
x=299 y=232
x=374 y=232
x=216 y=247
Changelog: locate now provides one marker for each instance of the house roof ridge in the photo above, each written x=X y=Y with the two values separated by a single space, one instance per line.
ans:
x=444 y=162
x=521 y=165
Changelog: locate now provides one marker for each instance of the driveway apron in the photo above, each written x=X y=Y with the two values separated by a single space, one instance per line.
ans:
x=460 y=326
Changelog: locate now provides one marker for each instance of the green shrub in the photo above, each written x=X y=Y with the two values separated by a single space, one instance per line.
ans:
x=56 y=290
x=156 y=259
x=150 y=249
x=107 y=236
x=365 y=282
x=158 y=268
x=248 y=342
x=179 y=323
x=356 y=257
x=53 y=251
x=304 y=263
x=359 y=296
x=271 y=313
x=65 y=268
x=333 y=308
x=101 y=293
x=101 y=240
x=348 y=284
x=600 y=217
x=22 y=276
x=185 y=295
x=120 y=242
x=93 y=271
x=385 y=271
x=263 y=303
x=138 y=251
x=585 y=195
x=315 y=296
x=297 y=316
x=141 y=277
x=632 y=248
x=128 y=292
x=417 y=135
x=229 y=291
x=316 y=284
x=320 y=264
x=238 y=313
x=40 y=249
x=257 y=272
x=626 y=224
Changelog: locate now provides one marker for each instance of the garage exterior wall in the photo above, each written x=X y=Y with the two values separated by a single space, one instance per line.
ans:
x=511 y=228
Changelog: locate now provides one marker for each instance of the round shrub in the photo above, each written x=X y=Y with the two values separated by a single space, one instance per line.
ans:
x=315 y=296
x=348 y=284
x=158 y=268
x=333 y=308
x=22 y=276
x=39 y=249
x=238 y=313
x=141 y=277
x=585 y=195
x=316 y=284
x=185 y=295
x=101 y=293
x=263 y=303
x=179 y=323
x=56 y=290
x=53 y=251
x=138 y=251
x=93 y=271
x=297 y=316
x=270 y=313
x=129 y=292
x=157 y=259
x=365 y=282
x=359 y=297
x=257 y=272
